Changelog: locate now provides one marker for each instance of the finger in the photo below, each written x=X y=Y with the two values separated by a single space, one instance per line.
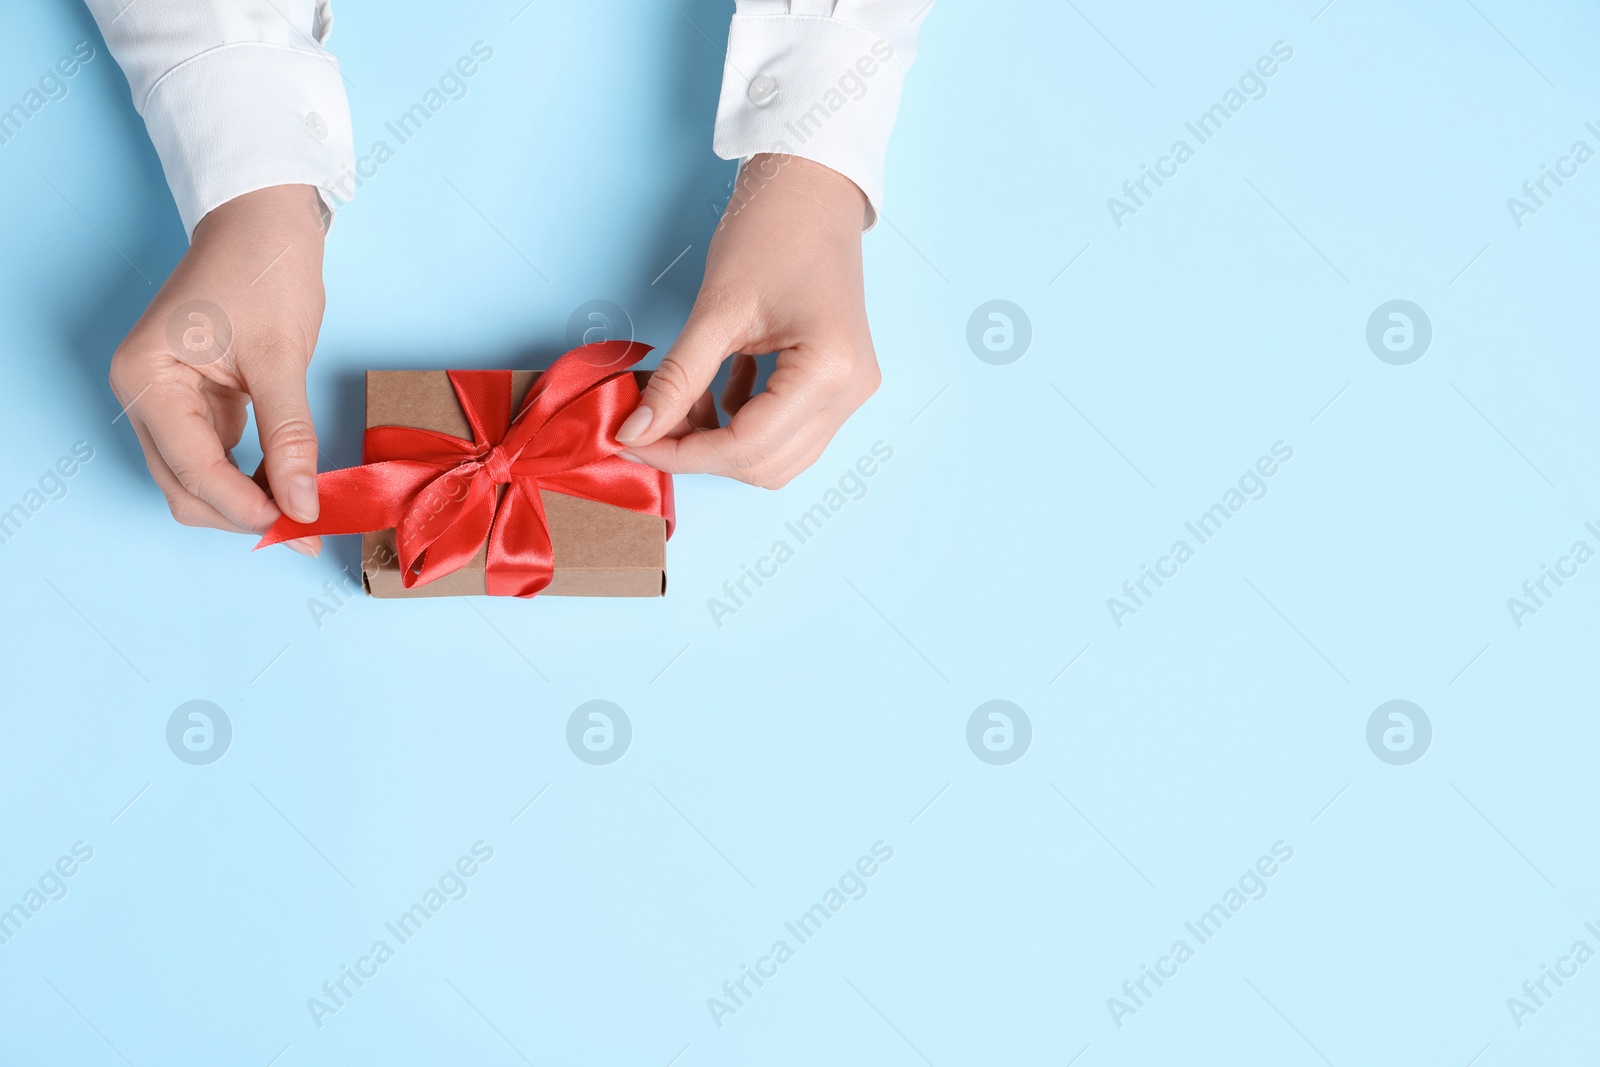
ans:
x=187 y=508
x=795 y=456
x=816 y=444
x=763 y=426
x=306 y=546
x=227 y=412
x=703 y=416
x=288 y=441
x=684 y=374
x=175 y=419
x=740 y=450
x=741 y=383
x=792 y=456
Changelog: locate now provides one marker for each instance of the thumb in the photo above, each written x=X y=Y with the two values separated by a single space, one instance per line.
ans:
x=288 y=442
x=683 y=377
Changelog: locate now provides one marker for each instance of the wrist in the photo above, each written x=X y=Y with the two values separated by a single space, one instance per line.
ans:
x=819 y=188
x=293 y=213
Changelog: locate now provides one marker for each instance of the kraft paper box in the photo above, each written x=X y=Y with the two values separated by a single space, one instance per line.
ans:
x=600 y=550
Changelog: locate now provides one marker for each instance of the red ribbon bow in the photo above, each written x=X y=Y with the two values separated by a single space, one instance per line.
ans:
x=441 y=494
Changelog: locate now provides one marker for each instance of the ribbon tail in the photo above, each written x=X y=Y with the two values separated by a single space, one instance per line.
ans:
x=358 y=500
x=521 y=558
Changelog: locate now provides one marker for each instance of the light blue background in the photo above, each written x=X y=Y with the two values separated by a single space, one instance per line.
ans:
x=830 y=712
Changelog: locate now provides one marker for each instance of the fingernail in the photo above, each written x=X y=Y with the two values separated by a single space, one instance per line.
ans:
x=635 y=424
x=300 y=546
x=631 y=458
x=303 y=498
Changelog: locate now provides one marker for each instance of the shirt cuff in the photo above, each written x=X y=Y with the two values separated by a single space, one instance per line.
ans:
x=814 y=87
x=248 y=116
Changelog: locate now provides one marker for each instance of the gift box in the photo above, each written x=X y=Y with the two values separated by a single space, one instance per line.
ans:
x=502 y=483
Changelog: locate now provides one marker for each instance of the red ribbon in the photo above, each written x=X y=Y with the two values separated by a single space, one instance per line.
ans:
x=441 y=494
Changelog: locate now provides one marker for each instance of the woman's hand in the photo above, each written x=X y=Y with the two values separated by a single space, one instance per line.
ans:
x=234 y=324
x=783 y=275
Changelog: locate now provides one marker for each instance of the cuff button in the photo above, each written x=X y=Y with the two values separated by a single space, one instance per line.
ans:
x=763 y=90
x=316 y=124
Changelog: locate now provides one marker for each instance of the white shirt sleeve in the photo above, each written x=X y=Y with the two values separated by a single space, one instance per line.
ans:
x=819 y=79
x=237 y=95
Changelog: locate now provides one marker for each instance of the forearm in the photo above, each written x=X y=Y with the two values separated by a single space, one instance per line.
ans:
x=238 y=95
x=819 y=80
